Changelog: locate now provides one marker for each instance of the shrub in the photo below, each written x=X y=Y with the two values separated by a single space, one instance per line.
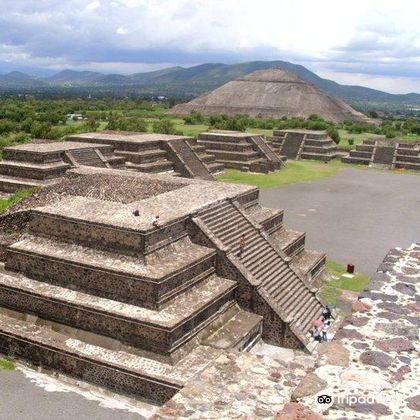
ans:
x=351 y=142
x=165 y=127
x=334 y=134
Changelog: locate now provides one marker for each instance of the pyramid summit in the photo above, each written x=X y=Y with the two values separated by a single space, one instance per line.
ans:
x=272 y=93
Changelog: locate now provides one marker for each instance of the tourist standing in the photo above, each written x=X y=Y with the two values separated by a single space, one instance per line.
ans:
x=241 y=244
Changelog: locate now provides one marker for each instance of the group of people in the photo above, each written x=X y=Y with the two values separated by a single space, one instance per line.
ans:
x=320 y=326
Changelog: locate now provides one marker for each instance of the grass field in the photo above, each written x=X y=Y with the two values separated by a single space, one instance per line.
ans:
x=14 y=198
x=337 y=283
x=295 y=171
x=6 y=364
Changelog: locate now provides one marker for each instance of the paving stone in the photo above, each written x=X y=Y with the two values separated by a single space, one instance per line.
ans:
x=360 y=345
x=398 y=376
x=294 y=411
x=394 y=344
x=357 y=322
x=360 y=306
x=348 y=333
x=393 y=307
x=379 y=296
x=406 y=289
x=376 y=358
x=372 y=409
x=397 y=329
x=415 y=307
x=310 y=385
x=333 y=353
x=388 y=315
x=414 y=403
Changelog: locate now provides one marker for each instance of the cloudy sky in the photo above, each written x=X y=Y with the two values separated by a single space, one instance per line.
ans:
x=374 y=43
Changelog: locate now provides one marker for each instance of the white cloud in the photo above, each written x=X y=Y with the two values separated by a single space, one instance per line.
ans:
x=344 y=37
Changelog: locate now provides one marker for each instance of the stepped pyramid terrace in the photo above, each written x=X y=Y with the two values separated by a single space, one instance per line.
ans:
x=43 y=162
x=91 y=288
x=272 y=93
x=303 y=144
x=243 y=151
x=389 y=154
x=157 y=153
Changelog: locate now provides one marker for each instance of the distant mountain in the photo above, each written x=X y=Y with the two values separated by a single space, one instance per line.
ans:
x=193 y=81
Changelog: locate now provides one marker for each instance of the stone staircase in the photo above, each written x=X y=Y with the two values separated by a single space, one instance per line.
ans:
x=113 y=305
x=303 y=144
x=386 y=154
x=240 y=151
x=207 y=158
x=86 y=157
x=190 y=160
x=277 y=289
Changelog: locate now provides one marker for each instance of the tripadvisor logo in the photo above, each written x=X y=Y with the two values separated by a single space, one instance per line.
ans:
x=325 y=400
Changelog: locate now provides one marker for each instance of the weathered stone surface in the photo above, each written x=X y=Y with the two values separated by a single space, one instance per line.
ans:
x=415 y=320
x=310 y=385
x=358 y=345
x=376 y=358
x=372 y=409
x=397 y=329
x=398 y=376
x=333 y=353
x=348 y=333
x=414 y=402
x=294 y=411
x=360 y=306
x=379 y=296
x=393 y=307
x=394 y=344
x=406 y=289
x=388 y=315
x=414 y=307
x=357 y=322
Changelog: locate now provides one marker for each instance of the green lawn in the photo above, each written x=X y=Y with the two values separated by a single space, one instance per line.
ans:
x=294 y=172
x=337 y=283
x=6 y=364
x=14 y=198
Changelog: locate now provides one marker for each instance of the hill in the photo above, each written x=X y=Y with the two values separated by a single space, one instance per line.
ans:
x=194 y=81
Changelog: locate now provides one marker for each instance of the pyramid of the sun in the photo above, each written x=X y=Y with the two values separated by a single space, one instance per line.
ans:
x=272 y=93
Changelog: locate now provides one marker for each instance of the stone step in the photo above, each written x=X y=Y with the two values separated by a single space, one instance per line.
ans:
x=215 y=167
x=241 y=333
x=120 y=371
x=162 y=331
x=270 y=219
x=318 y=156
x=406 y=165
x=360 y=154
x=12 y=184
x=328 y=148
x=33 y=170
x=305 y=263
x=84 y=225
x=408 y=151
x=356 y=160
x=291 y=242
x=157 y=166
x=106 y=274
x=145 y=156
x=222 y=155
x=365 y=147
x=206 y=158
x=408 y=159
x=226 y=146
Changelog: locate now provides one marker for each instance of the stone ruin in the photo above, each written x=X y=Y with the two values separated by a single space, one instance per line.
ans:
x=386 y=154
x=42 y=162
x=92 y=289
x=243 y=151
x=303 y=144
x=158 y=153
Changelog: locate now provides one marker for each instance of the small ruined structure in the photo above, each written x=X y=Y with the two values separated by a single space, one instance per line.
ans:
x=243 y=151
x=303 y=144
x=157 y=153
x=38 y=164
x=386 y=154
x=98 y=288
x=272 y=93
